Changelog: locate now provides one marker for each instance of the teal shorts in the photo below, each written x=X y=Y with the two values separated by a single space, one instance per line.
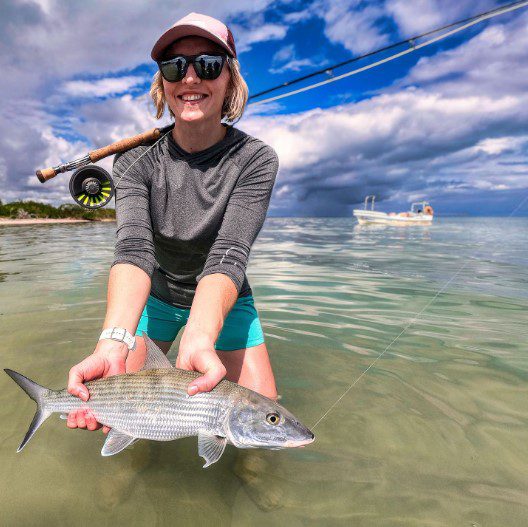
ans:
x=241 y=329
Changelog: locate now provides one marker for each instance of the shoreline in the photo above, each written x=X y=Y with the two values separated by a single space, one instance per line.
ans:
x=44 y=221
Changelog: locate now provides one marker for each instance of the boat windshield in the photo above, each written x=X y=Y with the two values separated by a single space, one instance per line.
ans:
x=418 y=208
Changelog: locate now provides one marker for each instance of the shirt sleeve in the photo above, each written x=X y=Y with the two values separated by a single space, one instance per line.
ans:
x=135 y=240
x=243 y=218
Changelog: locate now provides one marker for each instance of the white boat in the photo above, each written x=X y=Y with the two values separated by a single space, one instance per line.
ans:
x=421 y=213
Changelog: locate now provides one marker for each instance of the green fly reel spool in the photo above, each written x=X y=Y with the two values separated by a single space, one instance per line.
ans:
x=91 y=187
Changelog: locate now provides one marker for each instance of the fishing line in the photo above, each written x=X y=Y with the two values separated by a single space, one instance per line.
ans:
x=413 y=48
x=410 y=40
x=409 y=324
x=136 y=160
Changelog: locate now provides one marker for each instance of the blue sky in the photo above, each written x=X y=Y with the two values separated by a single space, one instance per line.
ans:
x=447 y=123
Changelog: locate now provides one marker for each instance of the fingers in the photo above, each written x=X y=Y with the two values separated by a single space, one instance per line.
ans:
x=75 y=383
x=90 y=368
x=91 y=422
x=82 y=418
x=76 y=419
x=206 y=362
x=81 y=421
x=93 y=367
x=71 y=422
x=214 y=372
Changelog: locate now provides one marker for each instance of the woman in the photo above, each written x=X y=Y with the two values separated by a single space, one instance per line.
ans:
x=188 y=210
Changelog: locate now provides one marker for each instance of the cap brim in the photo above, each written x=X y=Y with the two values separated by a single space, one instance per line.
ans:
x=174 y=33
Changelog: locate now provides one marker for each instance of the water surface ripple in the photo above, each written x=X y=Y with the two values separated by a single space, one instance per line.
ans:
x=434 y=434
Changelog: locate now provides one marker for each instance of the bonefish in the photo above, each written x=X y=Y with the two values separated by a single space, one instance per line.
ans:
x=153 y=404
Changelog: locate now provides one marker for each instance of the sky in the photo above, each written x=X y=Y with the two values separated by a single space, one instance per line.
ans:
x=448 y=123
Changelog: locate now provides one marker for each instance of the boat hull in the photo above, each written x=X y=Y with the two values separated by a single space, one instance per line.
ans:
x=382 y=218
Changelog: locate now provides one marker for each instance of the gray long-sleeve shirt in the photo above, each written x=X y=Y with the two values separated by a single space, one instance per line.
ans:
x=182 y=216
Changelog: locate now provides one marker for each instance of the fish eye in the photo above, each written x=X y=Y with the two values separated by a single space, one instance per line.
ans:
x=273 y=418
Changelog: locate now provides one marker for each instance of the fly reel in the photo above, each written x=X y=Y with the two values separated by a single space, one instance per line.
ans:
x=91 y=187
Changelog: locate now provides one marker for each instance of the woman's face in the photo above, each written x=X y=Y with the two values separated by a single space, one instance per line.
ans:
x=213 y=92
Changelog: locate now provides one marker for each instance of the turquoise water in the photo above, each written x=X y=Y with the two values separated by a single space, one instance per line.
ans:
x=434 y=433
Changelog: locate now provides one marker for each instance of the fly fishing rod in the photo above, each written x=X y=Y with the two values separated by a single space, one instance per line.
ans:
x=91 y=186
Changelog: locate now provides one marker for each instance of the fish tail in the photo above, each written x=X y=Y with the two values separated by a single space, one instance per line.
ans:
x=37 y=393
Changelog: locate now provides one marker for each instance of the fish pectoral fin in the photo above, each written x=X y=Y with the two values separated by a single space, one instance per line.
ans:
x=115 y=442
x=156 y=359
x=210 y=447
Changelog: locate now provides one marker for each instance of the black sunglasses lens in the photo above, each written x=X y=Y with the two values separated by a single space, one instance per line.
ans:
x=208 y=67
x=174 y=70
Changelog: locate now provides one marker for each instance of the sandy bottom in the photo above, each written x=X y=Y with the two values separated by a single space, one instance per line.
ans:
x=37 y=221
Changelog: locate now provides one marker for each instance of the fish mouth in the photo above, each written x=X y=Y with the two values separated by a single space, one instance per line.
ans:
x=293 y=443
x=290 y=443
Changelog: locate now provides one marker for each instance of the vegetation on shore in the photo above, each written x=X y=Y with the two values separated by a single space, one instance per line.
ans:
x=33 y=209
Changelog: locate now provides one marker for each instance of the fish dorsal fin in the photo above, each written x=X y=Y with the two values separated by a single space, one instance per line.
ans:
x=210 y=447
x=115 y=442
x=155 y=358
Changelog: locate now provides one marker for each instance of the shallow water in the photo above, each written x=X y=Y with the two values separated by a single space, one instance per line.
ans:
x=434 y=433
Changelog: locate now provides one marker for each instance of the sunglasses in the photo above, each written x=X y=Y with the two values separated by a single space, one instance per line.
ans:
x=207 y=67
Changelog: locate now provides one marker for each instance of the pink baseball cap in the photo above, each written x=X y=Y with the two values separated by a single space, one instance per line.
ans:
x=195 y=24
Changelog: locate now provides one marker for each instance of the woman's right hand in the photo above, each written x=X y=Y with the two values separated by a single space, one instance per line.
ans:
x=109 y=358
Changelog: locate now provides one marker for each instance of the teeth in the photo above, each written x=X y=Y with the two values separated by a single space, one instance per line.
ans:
x=192 y=97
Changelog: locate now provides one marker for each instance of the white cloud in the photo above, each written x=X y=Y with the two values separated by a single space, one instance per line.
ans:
x=352 y=25
x=498 y=145
x=298 y=16
x=285 y=59
x=101 y=87
x=119 y=117
x=62 y=41
x=249 y=36
x=418 y=16
x=494 y=61
x=283 y=54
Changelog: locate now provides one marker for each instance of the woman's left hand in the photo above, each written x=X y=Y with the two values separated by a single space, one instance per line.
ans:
x=197 y=353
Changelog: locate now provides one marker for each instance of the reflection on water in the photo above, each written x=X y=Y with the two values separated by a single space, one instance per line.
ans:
x=435 y=433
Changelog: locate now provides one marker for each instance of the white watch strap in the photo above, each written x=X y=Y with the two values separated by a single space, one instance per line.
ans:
x=121 y=335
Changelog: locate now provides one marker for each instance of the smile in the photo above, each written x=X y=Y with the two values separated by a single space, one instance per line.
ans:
x=187 y=97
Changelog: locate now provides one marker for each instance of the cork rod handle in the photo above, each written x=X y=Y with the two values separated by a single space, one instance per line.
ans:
x=124 y=144
x=45 y=174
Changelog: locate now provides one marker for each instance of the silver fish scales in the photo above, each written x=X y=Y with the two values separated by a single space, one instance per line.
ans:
x=154 y=404
x=150 y=404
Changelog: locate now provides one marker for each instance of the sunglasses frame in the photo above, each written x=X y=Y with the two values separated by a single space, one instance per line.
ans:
x=192 y=59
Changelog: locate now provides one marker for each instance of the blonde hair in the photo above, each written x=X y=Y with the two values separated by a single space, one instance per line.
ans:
x=234 y=103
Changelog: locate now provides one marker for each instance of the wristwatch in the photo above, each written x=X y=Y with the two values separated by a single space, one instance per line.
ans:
x=121 y=335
